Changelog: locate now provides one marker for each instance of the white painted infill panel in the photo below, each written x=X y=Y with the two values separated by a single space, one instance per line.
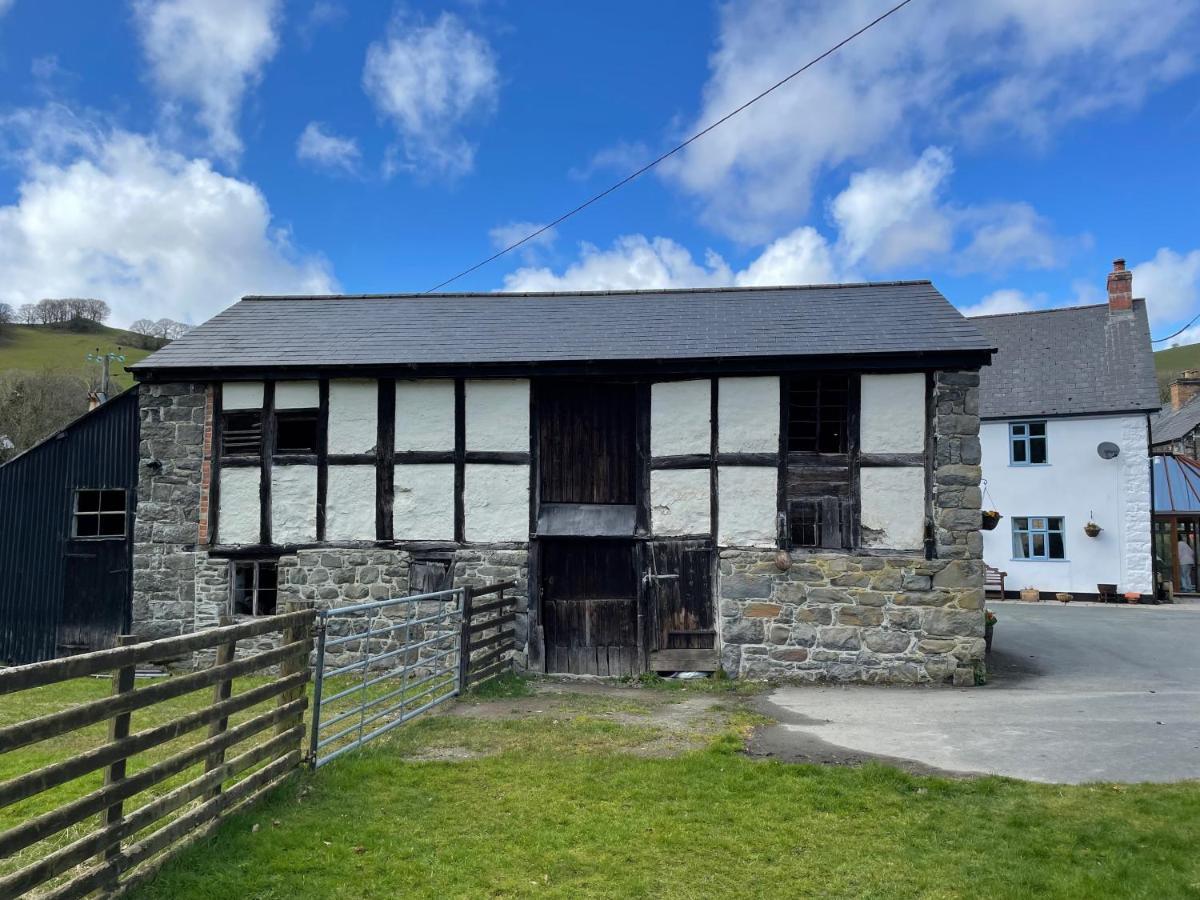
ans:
x=241 y=395
x=353 y=415
x=293 y=504
x=748 y=415
x=423 y=503
x=497 y=414
x=893 y=507
x=679 y=501
x=680 y=417
x=747 y=506
x=425 y=414
x=240 y=516
x=496 y=503
x=350 y=504
x=892 y=418
x=297 y=395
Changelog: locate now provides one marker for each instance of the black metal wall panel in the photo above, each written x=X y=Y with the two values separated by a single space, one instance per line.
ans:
x=99 y=450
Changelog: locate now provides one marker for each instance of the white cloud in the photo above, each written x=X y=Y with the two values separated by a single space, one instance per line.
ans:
x=1190 y=336
x=323 y=148
x=430 y=81
x=802 y=257
x=972 y=72
x=621 y=158
x=1170 y=282
x=1006 y=236
x=104 y=213
x=503 y=236
x=207 y=54
x=1003 y=301
x=5 y=6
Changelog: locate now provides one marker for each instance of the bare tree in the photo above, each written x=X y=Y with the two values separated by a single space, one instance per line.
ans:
x=27 y=314
x=6 y=314
x=143 y=326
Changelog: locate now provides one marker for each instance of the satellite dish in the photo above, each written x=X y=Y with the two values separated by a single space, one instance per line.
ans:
x=1108 y=450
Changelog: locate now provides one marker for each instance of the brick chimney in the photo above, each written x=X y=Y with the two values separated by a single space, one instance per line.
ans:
x=1120 y=287
x=1185 y=387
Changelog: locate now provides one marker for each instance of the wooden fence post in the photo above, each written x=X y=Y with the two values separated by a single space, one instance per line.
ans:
x=222 y=690
x=118 y=728
x=292 y=666
x=464 y=640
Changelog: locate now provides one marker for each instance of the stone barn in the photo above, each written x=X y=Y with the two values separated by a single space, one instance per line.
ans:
x=778 y=482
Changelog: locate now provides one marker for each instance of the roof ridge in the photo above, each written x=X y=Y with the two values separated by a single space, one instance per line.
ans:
x=598 y=293
x=1052 y=309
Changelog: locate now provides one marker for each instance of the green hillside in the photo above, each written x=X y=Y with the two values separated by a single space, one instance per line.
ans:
x=1169 y=363
x=39 y=348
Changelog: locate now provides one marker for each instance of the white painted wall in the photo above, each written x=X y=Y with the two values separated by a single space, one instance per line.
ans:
x=893 y=508
x=293 y=504
x=423 y=503
x=680 y=418
x=679 y=501
x=350 y=503
x=353 y=415
x=496 y=502
x=748 y=414
x=497 y=413
x=239 y=517
x=241 y=395
x=892 y=418
x=297 y=395
x=1077 y=485
x=748 y=506
x=425 y=414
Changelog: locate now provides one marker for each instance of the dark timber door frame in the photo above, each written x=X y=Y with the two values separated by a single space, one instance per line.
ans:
x=680 y=610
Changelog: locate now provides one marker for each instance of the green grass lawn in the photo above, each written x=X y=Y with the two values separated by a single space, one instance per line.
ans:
x=37 y=348
x=523 y=797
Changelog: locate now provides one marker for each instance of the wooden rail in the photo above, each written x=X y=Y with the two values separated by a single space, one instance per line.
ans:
x=123 y=844
x=488 y=627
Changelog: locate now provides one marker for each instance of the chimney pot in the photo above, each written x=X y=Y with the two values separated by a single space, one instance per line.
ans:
x=1120 y=287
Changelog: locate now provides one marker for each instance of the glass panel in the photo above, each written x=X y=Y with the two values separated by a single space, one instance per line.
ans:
x=1037 y=450
x=243 y=589
x=266 y=589
x=112 y=501
x=87 y=501
x=1037 y=429
x=87 y=525
x=1037 y=524
x=1018 y=451
x=112 y=524
x=1018 y=430
x=1020 y=545
x=1057 y=551
x=1021 y=524
x=1038 y=550
x=1054 y=523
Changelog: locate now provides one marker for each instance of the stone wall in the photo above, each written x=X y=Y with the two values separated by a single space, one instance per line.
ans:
x=881 y=617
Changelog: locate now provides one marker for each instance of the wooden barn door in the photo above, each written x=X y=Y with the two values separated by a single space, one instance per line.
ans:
x=679 y=592
x=95 y=593
x=589 y=593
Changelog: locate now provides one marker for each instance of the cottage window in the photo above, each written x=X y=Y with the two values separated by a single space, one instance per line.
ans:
x=99 y=514
x=818 y=493
x=1038 y=537
x=241 y=433
x=254 y=587
x=1028 y=443
x=296 y=431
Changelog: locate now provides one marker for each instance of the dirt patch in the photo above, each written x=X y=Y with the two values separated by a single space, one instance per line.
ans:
x=443 y=754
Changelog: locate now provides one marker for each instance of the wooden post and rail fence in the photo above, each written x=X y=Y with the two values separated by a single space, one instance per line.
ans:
x=79 y=840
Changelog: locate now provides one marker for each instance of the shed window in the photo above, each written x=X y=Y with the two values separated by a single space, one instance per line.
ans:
x=296 y=431
x=241 y=433
x=1038 y=537
x=1028 y=443
x=99 y=514
x=254 y=587
x=819 y=502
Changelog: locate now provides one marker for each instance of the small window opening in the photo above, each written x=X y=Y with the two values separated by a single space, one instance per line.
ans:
x=819 y=502
x=99 y=514
x=241 y=433
x=1028 y=441
x=254 y=587
x=296 y=431
x=818 y=417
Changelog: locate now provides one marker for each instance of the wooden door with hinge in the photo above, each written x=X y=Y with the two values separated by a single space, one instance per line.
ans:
x=678 y=581
x=95 y=596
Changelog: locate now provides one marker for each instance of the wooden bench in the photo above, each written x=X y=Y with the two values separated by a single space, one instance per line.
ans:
x=993 y=580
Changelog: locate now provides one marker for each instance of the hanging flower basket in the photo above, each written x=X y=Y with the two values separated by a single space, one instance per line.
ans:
x=991 y=519
x=1091 y=529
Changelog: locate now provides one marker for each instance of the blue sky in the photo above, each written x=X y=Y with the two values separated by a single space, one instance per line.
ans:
x=171 y=155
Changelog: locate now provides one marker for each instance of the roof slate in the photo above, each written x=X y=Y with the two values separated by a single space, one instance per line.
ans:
x=1173 y=424
x=408 y=329
x=1071 y=361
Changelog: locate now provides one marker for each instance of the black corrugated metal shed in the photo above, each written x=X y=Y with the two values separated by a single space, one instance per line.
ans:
x=59 y=592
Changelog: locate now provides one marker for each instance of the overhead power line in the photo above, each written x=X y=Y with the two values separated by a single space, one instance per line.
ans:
x=695 y=137
x=1195 y=319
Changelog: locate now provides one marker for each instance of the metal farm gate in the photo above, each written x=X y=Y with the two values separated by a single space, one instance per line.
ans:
x=380 y=664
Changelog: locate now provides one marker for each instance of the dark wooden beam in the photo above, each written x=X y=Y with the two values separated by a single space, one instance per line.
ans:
x=385 y=450
x=322 y=454
x=714 y=444
x=296 y=459
x=876 y=460
x=351 y=459
x=497 y=457
x=410 y=457
x=460 y=452
x=748 y=459
x=642 y=447
x=268 y=452
x=682 y=461
x=214 y=470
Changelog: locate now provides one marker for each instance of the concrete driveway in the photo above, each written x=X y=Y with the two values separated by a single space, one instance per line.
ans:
x=1077 y=693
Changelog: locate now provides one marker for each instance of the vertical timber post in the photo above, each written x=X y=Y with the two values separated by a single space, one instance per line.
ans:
x=464 y=640
x=222 y=691
x=118 y=729
x=291 y=666
x=318 y=686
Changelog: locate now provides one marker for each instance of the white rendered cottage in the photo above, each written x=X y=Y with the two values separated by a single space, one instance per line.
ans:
x=1065 y=410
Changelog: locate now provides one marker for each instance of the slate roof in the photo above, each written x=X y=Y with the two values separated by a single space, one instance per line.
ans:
x=1173 y=424
x=1070 y=361
x=406 y=329
x=1176 y=485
